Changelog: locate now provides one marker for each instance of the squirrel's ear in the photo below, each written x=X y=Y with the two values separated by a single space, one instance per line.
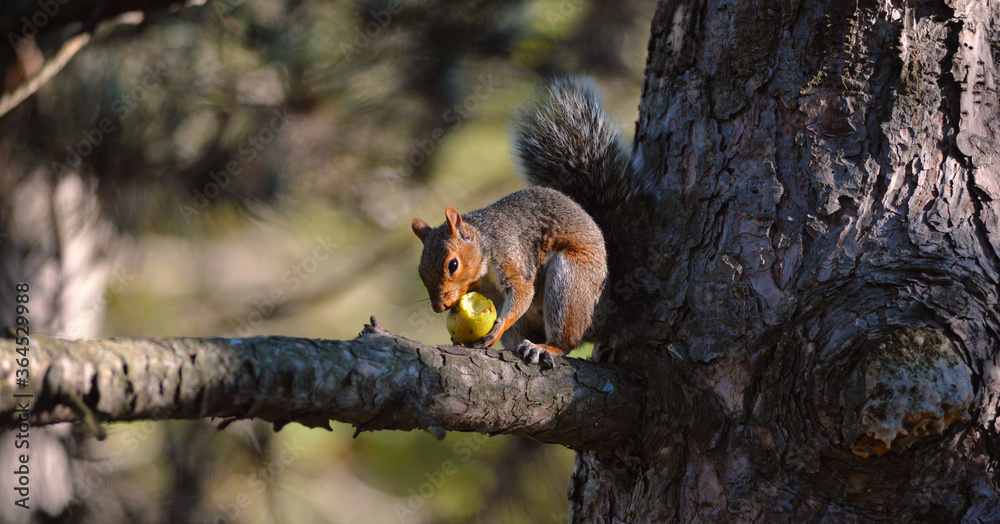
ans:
x=454 y=220
x=421 y=229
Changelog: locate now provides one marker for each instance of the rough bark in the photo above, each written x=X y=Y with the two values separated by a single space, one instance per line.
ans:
x=377 y=381
x=826 y=255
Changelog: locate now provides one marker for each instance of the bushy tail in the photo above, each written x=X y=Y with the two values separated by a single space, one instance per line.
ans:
x=564 y=140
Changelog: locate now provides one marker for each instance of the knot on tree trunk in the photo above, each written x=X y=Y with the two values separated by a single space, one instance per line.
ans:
x=908 y=384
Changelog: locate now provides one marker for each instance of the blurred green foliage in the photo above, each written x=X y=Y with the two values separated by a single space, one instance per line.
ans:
x=263 y=163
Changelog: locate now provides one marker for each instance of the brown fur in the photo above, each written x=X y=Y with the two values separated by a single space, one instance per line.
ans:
x=454 y=241
x=534 y=249
x=551 y=349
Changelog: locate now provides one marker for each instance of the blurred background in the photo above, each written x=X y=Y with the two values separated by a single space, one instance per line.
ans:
x=247 y=168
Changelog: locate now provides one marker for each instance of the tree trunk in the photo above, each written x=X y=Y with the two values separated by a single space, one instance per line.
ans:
x=52 y=235
x=827 y=261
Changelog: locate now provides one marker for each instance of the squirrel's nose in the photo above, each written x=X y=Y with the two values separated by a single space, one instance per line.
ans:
x=438 y=307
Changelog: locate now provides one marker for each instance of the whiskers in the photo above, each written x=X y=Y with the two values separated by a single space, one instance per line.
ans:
x=418 y=305
x=422 y=319
x=421 y=307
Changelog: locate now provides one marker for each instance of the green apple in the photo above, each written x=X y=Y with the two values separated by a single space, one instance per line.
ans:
x=471 y=318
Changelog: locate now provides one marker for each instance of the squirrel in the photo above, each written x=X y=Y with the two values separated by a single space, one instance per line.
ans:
x=560 y=254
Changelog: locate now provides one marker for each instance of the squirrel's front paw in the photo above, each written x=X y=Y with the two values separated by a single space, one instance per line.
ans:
x=531 y=353
x=491 y=338
x=484 y=342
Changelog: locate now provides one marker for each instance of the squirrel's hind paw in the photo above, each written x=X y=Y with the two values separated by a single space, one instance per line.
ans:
x=531 y=353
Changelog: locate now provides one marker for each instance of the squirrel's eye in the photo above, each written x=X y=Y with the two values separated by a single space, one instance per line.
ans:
x=452 y=266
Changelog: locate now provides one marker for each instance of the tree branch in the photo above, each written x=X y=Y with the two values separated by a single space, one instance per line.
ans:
x=376 y=381
x=69 y=49
x=27 y=19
